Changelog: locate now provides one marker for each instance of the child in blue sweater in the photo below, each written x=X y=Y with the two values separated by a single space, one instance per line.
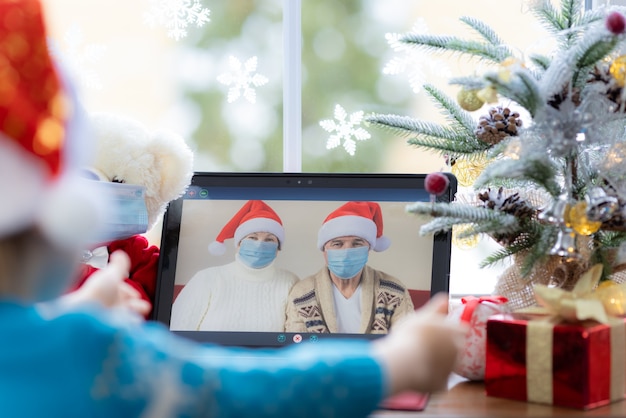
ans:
x=68 y=357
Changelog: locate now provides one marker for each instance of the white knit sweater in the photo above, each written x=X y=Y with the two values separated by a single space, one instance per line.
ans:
x=234 y=297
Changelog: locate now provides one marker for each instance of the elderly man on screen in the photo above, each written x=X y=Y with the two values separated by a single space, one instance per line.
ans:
x=347 y=295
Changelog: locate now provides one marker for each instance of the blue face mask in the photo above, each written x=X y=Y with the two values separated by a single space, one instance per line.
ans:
x=347 y=263
x=129 y=215
x=257 y=254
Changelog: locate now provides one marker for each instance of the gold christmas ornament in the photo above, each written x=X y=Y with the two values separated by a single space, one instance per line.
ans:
x=466 y=172
x=466 y=243
x=618 y=70
x=606 y=283
x=488 y=94
x=579 y=222
x=469 y=100
x=506 y=68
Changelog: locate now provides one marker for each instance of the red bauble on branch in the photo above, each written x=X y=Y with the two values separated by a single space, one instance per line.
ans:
x=615 y=23
x=436 y=183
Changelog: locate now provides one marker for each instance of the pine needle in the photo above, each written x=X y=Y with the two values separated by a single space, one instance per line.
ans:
x=484 y=30
x=522 y=88
x=443 y=43
x=467 y=213
x=451 y=109
x=539 y=171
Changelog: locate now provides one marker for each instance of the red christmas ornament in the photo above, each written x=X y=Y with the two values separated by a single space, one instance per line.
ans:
x=436 y=183
x=615 y=23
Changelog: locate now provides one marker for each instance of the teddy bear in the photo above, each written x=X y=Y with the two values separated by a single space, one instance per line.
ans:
x=126 y=151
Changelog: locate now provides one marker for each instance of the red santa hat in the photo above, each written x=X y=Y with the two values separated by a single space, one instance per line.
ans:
x=41 y=138
x=360 y=219
x=254 y=216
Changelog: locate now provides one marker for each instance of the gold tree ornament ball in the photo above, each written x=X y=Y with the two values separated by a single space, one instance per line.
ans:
x=617 y=69
x=466 y=172
x=507 y=66
x=488 y=94
x=606 y=283
x=464 y=243
x=579 y=222
x=469 y=100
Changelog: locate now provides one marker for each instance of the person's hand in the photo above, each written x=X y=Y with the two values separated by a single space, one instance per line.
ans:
x=107 y=286
x=421 y=350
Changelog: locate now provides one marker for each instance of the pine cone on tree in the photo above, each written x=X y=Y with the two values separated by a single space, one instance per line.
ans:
x=497 y=125
x=566 y=92
x=512 y=204
x=613 y=91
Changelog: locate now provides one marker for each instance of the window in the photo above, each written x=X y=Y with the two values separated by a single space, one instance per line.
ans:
x=223 y=77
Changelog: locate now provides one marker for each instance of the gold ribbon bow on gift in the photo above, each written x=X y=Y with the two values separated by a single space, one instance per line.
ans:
x=582 y=302
x=586 y=301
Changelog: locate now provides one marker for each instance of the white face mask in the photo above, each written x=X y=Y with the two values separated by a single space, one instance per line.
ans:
x=128 y=212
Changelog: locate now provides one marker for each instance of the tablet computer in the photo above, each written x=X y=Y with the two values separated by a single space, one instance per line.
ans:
x=194 y=223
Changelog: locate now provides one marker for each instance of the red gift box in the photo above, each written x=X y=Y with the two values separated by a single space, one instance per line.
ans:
x=535 y=358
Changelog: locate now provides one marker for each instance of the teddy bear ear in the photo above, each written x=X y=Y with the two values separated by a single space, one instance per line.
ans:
x=175 y=160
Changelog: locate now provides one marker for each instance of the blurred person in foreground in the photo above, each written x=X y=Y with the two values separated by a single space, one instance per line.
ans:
x=84 y=359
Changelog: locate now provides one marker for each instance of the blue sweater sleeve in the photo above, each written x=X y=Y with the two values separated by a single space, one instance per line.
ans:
x=337 y=378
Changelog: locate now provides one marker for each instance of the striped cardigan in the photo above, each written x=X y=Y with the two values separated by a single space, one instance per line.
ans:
x=310 y=305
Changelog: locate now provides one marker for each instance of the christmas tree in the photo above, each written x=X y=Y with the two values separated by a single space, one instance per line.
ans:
x=552 y=191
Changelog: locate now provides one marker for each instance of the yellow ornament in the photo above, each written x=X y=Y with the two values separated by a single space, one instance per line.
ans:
x=606 y=283
x=506 y=68
x=579 y=222
x=466 y=172
x=468 y=100
x=488 y=94
x=618 y=70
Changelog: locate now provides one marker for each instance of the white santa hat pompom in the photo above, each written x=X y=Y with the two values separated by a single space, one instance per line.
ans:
x=217 y=248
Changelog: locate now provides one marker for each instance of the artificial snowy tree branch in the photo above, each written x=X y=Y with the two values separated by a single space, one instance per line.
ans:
x=408 y=126
x=469 y=214
x=454 y=44
x=470 y=83
x=485 y=31
x=451 y=109
x=522 y=88
x=538 y=170
x=541 y=61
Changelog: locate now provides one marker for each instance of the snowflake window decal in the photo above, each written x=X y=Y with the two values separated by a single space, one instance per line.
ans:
x=176 y=15
x=412 y=62
x=79 y=57
x=242 y=79
x=345 y=128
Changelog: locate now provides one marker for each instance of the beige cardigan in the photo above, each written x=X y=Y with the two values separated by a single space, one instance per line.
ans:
x=310 y=305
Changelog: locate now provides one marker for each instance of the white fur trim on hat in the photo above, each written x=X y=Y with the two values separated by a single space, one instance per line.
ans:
x=21 y=185
x=351 y=226
x=259 y=225
x=71 y=212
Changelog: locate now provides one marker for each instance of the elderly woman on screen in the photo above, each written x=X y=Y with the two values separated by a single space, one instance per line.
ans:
x=248 y=294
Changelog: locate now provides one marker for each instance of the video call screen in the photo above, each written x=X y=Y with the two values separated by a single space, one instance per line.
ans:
x=241 y=312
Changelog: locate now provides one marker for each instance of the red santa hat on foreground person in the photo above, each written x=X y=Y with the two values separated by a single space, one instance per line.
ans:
x=254 y=216
x=360 y=219
x=42 y=136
